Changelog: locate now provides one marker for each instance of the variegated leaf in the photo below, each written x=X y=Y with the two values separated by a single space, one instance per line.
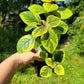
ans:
x=53 y=21
x=59 y=70
x=45 y=71
x=39 y=31
x=65 y=13
x=50 y=41
x=62 y=28
x=50 y=7
x=37 y=9
x=25 y=44
x=50 y=62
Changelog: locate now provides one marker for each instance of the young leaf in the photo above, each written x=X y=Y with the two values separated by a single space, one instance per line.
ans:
x=38 y=19
x=51 y=0
x=39 y=31
x=37 y=9
x=29 y=18
x=65 y=13
x=45 y=71
x=62 y=28
x=59 y=56
x=25 y=44
x=59 y=70
x=50 y=62
x=50 y=41
x=53 y=21
x=43 y=55
x=28 y=28
x=43 y=22
x=50 y=7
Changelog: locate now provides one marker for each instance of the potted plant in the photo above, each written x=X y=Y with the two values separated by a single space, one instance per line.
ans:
x=45 y=34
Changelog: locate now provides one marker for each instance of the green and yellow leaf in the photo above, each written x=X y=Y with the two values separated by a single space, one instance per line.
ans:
x=38 y=19
x=62 y=28
x=50 y=41
x=45 y=71
x=25 y=44
x=59 y=56
x=37 y=9
x=50 y=62
x=43 y=22
x=29 y=18
x=43 y=55
x=28 y=28
x=37 y=43
x=50 y=7
x=53 y=21
x=39 y=31
x=65 y=13
x=59 y=70
x=55 y=13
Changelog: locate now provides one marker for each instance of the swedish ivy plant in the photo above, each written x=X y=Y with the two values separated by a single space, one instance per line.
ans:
x=45 y=34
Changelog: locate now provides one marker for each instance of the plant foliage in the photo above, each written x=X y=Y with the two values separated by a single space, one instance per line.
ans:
x=78 y=41
x=45 y=33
